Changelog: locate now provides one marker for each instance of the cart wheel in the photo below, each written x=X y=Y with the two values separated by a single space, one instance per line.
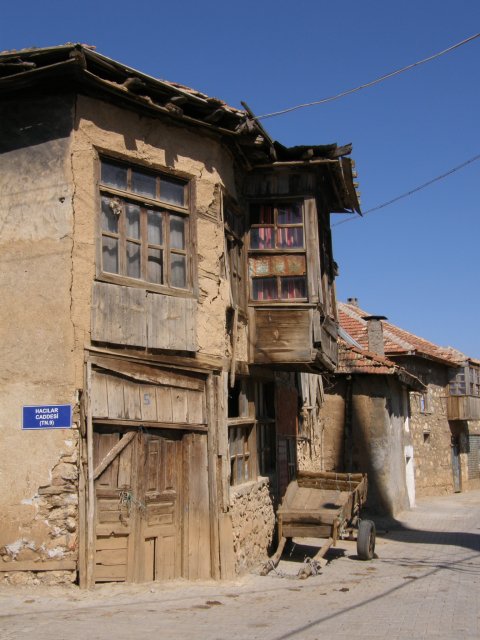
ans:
x=366 y=540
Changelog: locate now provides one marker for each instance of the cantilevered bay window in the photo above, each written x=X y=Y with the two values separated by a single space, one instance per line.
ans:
x=277 y=262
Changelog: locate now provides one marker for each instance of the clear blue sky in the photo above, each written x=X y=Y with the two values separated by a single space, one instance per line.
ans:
x=417 y=261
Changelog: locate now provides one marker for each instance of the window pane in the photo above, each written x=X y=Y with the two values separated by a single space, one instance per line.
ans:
x=261 y=238
x=114 y=175
x=178 y=271
x=172 y=191
x=293 y=287
x=155 y=266
x=144 y=183
x=110 y=215
x=155 y=230
x=110 y=254
x=264 y=289
x=133 y=221
x=290 y=214
x=261 y=214
x=133 y=260
x=290 y=238
x=177 y=232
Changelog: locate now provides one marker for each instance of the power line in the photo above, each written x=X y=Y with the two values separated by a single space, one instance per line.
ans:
x=368 y=84
x=409 y=193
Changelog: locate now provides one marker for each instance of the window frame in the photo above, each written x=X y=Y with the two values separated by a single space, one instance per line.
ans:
x=252 y=252
x=145 y=204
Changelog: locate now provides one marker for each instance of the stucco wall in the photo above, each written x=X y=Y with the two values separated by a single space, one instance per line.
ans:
x=37 y=335
x=378 y=439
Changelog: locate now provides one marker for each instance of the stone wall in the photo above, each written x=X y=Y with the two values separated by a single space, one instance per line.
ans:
x=430 y=429
x=253 y=521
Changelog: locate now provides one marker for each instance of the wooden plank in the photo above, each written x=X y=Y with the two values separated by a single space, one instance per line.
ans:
x=110 y=573
x=166 y=558
x=152 y=374
x=199 y=558
x=283 y=336
x=313 y=254
x=306 y=531
x=125 y=461
x=113 y=453
x=116 y=400
x=182 y=426
x=164 y=404
x=111 y=557
x=179 y=405
x=112 y=542
x=90 y=542
x=99 y=395
x=195 y=407
x=119 y=314
x=131 y=394
x=149 y=559
x=148 y=402
x=32 y=565
x=171 y=322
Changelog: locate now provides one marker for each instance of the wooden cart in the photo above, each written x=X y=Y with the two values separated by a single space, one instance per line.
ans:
x=323 y=505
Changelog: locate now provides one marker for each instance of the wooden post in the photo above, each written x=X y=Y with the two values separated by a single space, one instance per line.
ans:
x=82 y=501
x=212 y=478
x=90 y=581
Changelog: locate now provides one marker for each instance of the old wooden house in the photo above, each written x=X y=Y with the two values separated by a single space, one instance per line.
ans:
x=444 y=416
x=167 y=279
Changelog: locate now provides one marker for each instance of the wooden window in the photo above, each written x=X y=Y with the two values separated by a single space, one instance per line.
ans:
x=266 y=429
x=277 y=262
x=242 y=466
x=145 y=226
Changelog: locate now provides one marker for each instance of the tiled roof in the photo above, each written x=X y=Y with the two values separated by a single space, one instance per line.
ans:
x=396 y=341
x=352 y=360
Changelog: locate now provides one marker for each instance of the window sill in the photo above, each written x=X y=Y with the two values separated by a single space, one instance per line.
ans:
x=112 y=278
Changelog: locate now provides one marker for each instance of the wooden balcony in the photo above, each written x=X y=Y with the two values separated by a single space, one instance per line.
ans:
x=293 y=337
x=463 y=408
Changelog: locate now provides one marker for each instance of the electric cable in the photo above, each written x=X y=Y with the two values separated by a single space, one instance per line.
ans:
x=368 y=84
x=409 y=193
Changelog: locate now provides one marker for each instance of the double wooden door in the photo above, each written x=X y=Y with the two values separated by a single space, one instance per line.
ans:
x=139 y=504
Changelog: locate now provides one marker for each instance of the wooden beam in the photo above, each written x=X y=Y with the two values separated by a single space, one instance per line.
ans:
x=90 y=578
x=183 y=426
x=113 y=453
x=33 y=565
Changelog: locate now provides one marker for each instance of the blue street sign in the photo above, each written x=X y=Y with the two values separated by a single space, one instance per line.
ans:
x=47 y=416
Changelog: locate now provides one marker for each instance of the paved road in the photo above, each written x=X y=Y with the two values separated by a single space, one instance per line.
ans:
x=424 y=584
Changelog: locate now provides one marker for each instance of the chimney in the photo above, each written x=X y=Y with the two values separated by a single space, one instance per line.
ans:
x=353 y=302
x=375 y=334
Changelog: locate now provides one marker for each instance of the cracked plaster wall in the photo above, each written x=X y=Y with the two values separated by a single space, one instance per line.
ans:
x=37 y=331
x=154 y=143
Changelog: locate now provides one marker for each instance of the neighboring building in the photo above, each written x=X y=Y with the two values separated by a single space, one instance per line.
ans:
x=366 y=423
x=167 y=273
x=444 y=417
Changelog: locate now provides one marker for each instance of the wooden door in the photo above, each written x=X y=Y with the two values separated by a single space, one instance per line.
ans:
x=162 y=496
x=139 y=500
x=115 y=508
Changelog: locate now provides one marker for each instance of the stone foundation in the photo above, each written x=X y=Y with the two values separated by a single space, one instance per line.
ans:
x=253 y=521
